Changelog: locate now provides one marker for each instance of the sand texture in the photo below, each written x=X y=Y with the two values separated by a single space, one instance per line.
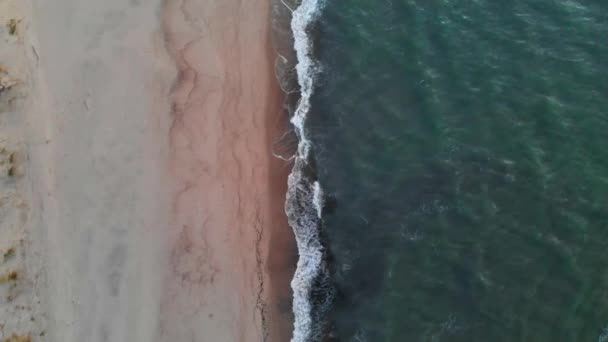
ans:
x=139 y=198
x=21 y=317
x=225 y=114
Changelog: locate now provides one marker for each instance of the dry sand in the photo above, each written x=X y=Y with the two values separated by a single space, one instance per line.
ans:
x=143 y=202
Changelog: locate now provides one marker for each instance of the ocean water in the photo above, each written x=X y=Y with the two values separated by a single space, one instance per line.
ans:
x=451 y=180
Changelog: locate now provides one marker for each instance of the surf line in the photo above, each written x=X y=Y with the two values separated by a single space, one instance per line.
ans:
x=304 y=200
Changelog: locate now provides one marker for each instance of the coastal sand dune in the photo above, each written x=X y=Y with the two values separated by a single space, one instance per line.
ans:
x=153 y=208
x=21 y=316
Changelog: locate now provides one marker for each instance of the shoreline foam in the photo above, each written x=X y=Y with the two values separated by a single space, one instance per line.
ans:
x=304 y=197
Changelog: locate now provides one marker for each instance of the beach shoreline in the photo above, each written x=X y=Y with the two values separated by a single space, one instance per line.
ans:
x=153 y=205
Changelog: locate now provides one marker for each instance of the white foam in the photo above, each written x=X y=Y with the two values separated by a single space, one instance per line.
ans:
x=303 y=204
x=318 y=198
x=306 y=68
x=303 y=219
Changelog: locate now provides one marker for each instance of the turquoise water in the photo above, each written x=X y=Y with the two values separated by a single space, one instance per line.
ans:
x=462 y=149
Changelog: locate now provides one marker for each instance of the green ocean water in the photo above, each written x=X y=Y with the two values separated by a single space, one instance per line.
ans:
x=465 y=146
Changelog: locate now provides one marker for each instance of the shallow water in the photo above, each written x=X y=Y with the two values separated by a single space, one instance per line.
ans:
x=461 y=146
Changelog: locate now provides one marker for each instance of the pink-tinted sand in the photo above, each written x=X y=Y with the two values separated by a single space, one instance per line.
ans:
x=231 y=250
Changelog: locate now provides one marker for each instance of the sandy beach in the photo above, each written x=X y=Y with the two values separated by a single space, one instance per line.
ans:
x=140 y=197
x=229 y=190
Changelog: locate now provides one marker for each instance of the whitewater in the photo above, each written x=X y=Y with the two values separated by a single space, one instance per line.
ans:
x=304 y=200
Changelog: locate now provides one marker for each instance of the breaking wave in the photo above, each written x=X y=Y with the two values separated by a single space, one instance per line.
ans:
x=311 y=283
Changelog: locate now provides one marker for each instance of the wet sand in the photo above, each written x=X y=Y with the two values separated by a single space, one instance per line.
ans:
x=152 y=204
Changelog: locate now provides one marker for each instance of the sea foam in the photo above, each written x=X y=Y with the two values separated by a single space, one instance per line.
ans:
x=304 y=195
